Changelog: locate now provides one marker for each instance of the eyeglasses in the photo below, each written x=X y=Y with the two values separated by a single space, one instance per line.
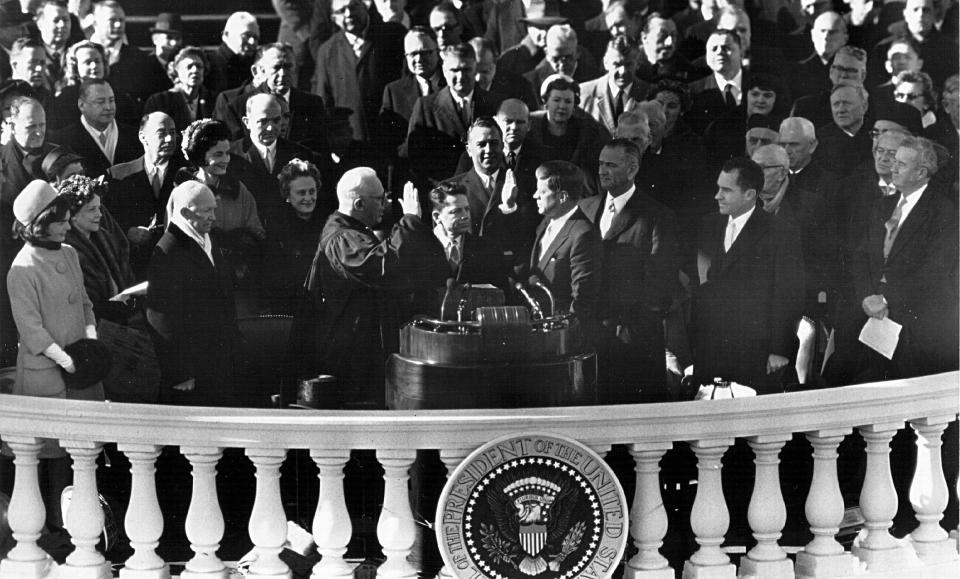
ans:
x=844 y=69
x=445 y=27
x=885 y=153
x=906 y=96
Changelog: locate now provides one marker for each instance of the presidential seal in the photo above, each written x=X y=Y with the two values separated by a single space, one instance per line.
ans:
x=532 y=505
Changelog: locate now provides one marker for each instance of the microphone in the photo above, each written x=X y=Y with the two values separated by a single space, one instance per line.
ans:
x=443 y=305
x=535 y=282
x=534 y=306
x=464 y=301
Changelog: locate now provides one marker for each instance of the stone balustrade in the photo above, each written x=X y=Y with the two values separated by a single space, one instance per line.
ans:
x=925 y=405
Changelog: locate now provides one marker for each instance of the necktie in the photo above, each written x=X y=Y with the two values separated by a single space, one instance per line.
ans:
x=893 y=225
x=618 y=109
x=728 y=96
x=454 y=254
x=156 y=182
x=103 y=139
x=268 y=161
x=465 y=112
x=730 y=235
x=547 y=239
x=512 y=161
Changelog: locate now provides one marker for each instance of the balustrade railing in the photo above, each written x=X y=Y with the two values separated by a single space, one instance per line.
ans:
x=878 y=411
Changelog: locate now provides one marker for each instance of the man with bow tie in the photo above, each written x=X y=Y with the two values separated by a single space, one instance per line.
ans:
x=750 y=293
x=640 y=264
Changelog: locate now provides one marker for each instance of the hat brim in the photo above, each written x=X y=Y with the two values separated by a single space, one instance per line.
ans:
x=545 y=22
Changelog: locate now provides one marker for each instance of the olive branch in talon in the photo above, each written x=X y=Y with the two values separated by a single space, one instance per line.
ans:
x=570 y=543
x=497 y=546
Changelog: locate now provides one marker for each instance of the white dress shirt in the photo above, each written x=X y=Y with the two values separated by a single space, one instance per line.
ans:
x=553 y=228
x=911 y=202
x=111 y=137
x=735 y=84
x=738 y=225
x=618 y=202
x=268 y=154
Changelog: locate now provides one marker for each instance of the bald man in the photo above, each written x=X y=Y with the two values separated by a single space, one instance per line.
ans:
x=139 y=189
x=363 y=279
x=190 y=304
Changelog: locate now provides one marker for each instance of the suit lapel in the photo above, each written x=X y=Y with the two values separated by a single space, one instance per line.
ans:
x=746 y=239
x=557 y=242
x=447 y=110
x=605 y=104
x=621 y=221
x=535 y=252
x=912 y=224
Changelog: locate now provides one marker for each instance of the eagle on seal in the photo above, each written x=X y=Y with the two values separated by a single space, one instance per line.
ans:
x=533 y=511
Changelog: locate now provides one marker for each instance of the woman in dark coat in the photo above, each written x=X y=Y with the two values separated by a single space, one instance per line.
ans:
x=293 y=233
x=564 y=132
x=101 y=245
x=188 y=100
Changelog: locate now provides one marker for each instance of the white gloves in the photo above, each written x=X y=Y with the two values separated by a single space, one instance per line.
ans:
x=56 y=353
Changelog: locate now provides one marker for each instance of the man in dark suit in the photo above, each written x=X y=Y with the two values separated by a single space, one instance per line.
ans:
x=640 y=264
x=904 y=269
x=848 y=66
x=750 y=296
x=357 y=62
x=659 y=57
x=720 y=93
x=273 y=73
x=139 y=189
x=563 y=55
x=607 y=97
x=498 y=80
x=937 y=49
x=463 y=256
x=439 y=122
x=190 y=305
x=96 y=136
x=231 y=61
x=812 y=219
x=258 y=158
x=421 y=78
x=814 y=73
x=567 y=253
x=132 y=72
x=20 y=163
x=493 y=193
x=28 y=63
x=522 y=57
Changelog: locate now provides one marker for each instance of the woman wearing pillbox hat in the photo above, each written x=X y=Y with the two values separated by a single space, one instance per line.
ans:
x=51 y=310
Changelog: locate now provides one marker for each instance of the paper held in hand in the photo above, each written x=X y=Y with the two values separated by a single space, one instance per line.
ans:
x=881 y=335
x=137 y=290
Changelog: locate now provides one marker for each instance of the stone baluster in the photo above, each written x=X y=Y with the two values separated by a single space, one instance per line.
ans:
x=268 y=522
x=767 y=513
x=204 y=524
x=26 y=514
x=451 y=457
x=144 y=521
x=928 y=493
x=84 y=519
x=875 y=546
x=648 y=517
x=823 y=556
x=709 y=518
x=331 y=522
x=395 y=528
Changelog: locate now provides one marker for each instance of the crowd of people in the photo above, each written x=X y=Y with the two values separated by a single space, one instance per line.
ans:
x=696 y=182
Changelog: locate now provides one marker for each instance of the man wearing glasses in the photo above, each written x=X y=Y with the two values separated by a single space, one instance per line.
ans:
x=358 y=279
x=849 y=66
x=563 y=55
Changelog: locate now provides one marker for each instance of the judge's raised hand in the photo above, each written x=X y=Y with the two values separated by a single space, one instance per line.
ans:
x=508 y=196
x=411 y=200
